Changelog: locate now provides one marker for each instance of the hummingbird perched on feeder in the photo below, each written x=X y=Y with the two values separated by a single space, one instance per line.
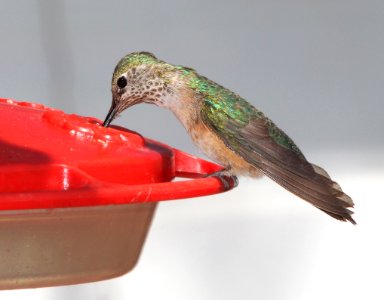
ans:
x=227 y=128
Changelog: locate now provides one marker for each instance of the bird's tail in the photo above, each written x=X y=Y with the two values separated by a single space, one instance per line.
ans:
x=316 y=188
x=345 y=200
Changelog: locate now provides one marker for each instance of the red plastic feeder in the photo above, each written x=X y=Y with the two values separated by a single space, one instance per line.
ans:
x=77 y=199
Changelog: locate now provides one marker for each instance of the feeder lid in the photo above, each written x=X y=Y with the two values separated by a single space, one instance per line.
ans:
x=51 y=159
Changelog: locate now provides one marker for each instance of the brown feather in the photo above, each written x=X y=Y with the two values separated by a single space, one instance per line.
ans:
x=288 y=168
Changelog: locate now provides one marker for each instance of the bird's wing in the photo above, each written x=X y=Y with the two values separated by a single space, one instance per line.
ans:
x=255 y=138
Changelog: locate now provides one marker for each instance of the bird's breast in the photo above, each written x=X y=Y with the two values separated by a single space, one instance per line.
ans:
x=187 y=109
x=212 y=146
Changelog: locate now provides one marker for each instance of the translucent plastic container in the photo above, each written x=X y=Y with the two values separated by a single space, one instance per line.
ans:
x=77 y=199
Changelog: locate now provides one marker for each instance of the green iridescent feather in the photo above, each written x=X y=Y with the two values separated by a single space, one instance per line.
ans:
x=230 y=113
x=133 y=60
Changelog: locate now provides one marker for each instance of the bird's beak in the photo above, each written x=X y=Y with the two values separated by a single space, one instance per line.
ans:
x=111 y=114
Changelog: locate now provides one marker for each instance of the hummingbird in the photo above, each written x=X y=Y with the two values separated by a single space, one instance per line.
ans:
x=227 y=128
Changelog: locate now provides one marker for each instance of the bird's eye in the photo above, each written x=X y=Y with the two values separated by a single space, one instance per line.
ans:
x=122 y=82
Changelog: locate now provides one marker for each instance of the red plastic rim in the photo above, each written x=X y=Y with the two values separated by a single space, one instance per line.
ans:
x=50 y=159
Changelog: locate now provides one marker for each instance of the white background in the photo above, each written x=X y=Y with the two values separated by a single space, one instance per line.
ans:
x=314 y=67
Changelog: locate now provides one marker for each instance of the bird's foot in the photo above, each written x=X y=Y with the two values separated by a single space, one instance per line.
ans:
x=226 y=178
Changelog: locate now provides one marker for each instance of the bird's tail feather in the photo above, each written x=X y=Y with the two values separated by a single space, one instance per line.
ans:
x=318 y=189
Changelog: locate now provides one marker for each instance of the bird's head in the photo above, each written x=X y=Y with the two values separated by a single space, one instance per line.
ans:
x=139 y=77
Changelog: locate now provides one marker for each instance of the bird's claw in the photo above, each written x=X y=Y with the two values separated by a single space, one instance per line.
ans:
x=228 y=180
